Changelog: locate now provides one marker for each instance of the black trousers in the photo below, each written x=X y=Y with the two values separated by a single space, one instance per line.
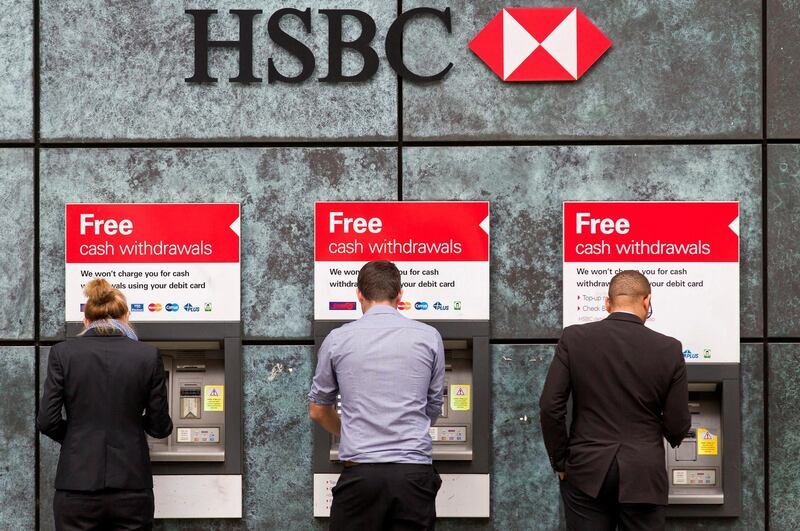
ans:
x=105 y=510
x=385 y=497
x=605 y=513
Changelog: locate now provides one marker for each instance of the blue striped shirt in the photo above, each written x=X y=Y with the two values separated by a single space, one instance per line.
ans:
x=389 y=371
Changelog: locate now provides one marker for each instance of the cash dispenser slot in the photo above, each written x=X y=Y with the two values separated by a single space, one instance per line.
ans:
x=704 y=471
x=193 y=370
x=695 y=468
x=452 y=433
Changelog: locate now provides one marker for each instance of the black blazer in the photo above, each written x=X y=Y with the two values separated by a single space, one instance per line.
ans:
x=114 y=391
x=629 y=392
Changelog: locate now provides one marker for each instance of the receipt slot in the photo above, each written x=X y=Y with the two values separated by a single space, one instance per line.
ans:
x=197 y=470
x=704 y=470
x=461 y=435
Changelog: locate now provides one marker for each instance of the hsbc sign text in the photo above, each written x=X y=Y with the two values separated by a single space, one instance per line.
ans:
x=518 y=44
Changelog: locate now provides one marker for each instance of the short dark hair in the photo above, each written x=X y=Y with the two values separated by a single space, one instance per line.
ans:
x=630 y=283
x=379 y=280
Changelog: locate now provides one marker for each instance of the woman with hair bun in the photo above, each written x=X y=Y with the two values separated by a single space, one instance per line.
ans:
x=113 y=390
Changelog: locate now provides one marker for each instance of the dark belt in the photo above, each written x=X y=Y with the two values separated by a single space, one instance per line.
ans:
x=350 y=464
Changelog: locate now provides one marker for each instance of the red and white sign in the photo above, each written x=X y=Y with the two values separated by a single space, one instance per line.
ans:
x=441 y=249
x=540 y=44
x=689 y=251
x=173 y=262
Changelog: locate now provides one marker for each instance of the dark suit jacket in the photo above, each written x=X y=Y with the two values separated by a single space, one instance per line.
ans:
x=629 y=392
x=113 y=389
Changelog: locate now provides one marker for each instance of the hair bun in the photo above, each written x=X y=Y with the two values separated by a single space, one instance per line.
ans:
x=99 y=291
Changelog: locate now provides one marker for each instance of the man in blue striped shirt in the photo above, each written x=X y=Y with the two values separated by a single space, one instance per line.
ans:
x=389 y=371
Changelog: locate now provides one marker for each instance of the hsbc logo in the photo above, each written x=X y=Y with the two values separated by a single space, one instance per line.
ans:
x=540 y=44
x=518 y=44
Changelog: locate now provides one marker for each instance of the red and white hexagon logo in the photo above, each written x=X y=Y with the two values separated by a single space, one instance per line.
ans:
x=540 y=44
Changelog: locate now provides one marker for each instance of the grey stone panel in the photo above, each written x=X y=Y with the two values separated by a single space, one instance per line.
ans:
x=783 y=235
x=277 y=188
x=783 y=74
x=677 y=69
x=116 y=71
x=525 y=493
x=17 y=438
x=526 y=187
x=784 y=442
x=16 y=240
x=16 y=65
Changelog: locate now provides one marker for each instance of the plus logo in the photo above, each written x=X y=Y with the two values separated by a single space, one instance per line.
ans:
x=540 y=44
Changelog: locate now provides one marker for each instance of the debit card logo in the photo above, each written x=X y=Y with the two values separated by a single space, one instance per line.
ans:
x=154 y=307
x=404 y=305
x=189 y=308
x=137 y=307
x=440 y=307
x=421 y=306
x=689 y=355
x=171 y=307
x=341 y=305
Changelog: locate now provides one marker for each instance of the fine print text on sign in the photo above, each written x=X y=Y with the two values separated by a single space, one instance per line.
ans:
x=441 y=249
x=173 y=262
x=688 y=250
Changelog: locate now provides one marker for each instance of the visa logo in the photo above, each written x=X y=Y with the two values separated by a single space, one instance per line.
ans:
x=137 y=307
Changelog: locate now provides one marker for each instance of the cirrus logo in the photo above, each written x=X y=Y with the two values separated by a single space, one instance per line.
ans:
x=171 y=307
x=421 y=306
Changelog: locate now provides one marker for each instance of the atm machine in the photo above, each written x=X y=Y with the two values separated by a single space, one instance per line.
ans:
x=704 y=471
x=461 y=436
x=197 y=470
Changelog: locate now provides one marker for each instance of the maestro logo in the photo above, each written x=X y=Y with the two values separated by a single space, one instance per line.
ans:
x=154 y=307
x=421 y=306
x=540 y=44
x=518 y=44
x=404 y=305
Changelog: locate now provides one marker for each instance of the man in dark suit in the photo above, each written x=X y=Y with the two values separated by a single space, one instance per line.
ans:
x=629 y=392
x=113 y=390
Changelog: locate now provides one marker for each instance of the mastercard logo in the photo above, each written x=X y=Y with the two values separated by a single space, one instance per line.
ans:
x=154 y=307
x=404 y=305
